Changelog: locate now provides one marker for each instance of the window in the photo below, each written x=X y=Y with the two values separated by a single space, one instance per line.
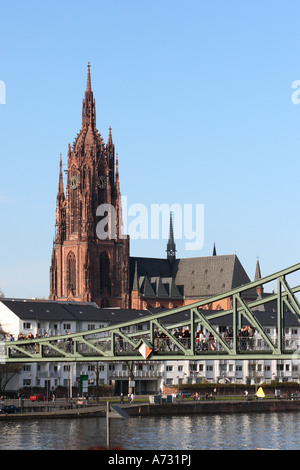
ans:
x=180 y=368
x=222 y=329
x=105 y=283
x=71 y=273
x=67 y=326
x=73 y=202
x=26 y=326
x=169 y=368
x=91 y=327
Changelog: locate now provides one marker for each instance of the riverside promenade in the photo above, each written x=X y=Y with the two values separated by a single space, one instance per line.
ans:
x=186 y=407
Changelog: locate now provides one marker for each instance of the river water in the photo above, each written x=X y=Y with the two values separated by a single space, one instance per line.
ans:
x=211 y=432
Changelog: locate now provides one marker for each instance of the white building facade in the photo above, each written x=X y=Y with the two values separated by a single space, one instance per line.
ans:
x=22 y=316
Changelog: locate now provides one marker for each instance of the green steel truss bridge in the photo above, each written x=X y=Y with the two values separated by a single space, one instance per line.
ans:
x=136 y=340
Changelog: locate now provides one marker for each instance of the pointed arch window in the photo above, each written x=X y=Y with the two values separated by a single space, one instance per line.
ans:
x=71 y=273
x=105 y=281
x=73 y=201
x=105 y=303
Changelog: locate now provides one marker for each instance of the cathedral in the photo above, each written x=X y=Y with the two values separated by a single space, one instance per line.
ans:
x=85 y=267
x=91 y=259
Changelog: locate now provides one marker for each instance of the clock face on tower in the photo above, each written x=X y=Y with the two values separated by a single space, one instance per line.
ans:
x=102 y=182
x=73 y=182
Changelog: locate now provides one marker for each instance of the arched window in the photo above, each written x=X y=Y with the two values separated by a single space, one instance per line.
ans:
x=104 y=303
x=71 y=273
x=105 y=281
x=73 y=196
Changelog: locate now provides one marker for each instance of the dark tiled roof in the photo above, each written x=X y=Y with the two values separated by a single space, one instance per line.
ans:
x=75 y=311
x=199 y=277
x=210 y=275
x=69 y=311
x=47 y=309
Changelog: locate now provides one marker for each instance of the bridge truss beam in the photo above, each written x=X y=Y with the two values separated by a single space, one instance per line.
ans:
x=123 y=342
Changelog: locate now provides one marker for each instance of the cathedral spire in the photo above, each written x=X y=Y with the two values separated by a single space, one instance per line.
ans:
x=88 y=105
x=89 y=263
x=171 y=247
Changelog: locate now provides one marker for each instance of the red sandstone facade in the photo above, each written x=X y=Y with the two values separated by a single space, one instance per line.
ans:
x=90 y=258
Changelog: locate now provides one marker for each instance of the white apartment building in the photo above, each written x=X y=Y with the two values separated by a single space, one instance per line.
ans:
x=55 y=318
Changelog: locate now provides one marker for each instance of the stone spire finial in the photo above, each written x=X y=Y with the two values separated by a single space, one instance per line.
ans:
x=88 y=82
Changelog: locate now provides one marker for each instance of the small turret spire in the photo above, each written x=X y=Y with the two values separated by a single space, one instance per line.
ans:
x=110 y=142
x=60 y=183
x=259 y=289
x=214 y=250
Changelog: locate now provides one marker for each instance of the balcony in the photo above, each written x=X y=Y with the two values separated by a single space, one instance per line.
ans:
x=48 y=375
x=146 y=374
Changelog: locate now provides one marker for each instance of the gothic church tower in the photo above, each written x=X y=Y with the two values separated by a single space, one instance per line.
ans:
x=90 y=258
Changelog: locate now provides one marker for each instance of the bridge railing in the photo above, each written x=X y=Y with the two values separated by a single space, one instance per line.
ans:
x=122 y=340
x=121 y=347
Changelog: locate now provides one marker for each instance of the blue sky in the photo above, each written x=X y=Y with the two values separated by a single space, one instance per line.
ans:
x=198 y=95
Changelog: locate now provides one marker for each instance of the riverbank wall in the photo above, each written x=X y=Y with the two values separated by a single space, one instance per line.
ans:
x=166 y=409
x=215 y=406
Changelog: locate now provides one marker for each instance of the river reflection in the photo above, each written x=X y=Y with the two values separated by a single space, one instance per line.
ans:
x=211 y=432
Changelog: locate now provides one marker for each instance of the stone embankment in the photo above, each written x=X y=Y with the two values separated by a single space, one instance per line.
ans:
x=168 y=409
x=215 y=406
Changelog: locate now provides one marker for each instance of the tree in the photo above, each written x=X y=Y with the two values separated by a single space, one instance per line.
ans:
x=7 y=370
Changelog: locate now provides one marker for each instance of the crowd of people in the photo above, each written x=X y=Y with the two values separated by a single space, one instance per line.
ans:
x=203 y=341
x=35 y=346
